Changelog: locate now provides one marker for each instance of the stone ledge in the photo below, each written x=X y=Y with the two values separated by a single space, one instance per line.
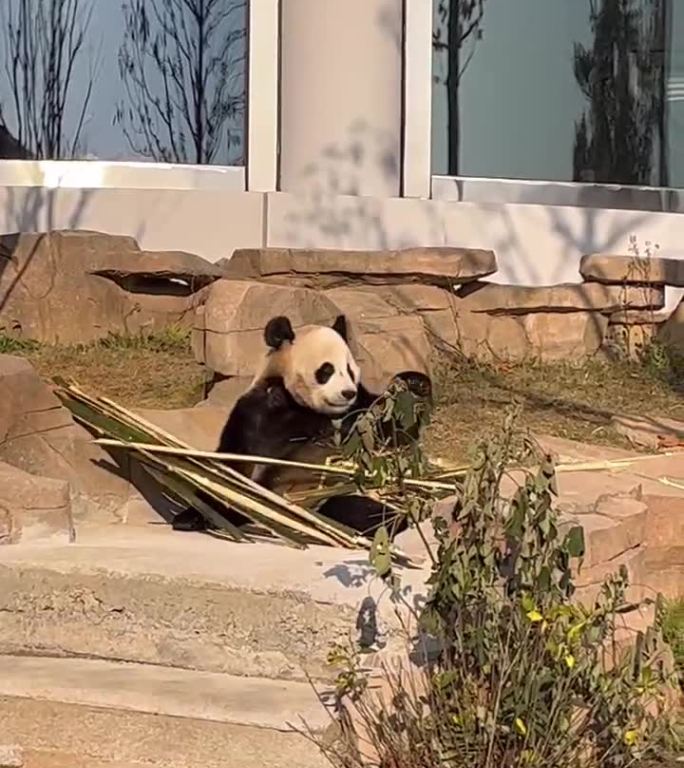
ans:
x=632 y=270
x=256 y=702
x=493 y=298
x=330 y=268
x=58 y=735
x=151 y=595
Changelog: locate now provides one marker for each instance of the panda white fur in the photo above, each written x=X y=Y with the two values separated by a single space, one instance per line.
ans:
x=306 y=382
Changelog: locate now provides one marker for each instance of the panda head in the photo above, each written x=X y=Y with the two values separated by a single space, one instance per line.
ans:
x=316 y=365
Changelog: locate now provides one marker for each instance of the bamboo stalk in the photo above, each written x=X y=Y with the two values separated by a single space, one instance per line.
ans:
x=341 y=534
x=236 y=457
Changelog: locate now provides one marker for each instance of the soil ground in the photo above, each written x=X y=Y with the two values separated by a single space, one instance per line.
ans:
x=572 y=401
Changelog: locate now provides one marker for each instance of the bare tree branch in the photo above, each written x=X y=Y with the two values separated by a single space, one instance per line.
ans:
x=458 y=22
x=43 y=42
x=184 y=82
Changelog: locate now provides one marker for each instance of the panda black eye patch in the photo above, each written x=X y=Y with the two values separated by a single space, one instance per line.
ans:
x=351 y=373
x=324 y=373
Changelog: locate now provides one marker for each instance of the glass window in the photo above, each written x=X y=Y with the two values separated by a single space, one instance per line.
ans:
x=159 y=80
x=565 y=90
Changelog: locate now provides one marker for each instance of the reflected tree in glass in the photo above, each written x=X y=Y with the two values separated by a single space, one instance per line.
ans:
x=182 y=63
x=620 y=138
x=42 y=42
x=458 y=22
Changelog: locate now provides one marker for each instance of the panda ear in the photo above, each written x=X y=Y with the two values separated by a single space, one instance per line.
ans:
x=340 y=326
x=278 y=330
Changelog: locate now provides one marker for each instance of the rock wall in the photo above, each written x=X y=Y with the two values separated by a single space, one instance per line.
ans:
x=76 y=287
x=404 y=305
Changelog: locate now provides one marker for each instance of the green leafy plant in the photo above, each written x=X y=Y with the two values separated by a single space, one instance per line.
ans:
x=673 y=632
x=524 y=675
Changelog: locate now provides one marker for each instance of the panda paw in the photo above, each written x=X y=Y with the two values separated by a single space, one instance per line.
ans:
x=418 y=384
x=189 y=520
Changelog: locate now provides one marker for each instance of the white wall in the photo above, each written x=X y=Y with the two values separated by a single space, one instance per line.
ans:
x=211 y=223
x=534 y=244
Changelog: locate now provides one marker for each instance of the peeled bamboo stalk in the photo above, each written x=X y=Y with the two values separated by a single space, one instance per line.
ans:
x=236 y=457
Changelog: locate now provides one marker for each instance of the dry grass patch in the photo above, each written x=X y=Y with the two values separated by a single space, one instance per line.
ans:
x=150 y=371
x=572 y=401
x=564 y=400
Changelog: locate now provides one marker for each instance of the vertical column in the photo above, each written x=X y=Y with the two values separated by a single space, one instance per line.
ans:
x=417 y=99
x=341 y=96
x=262 y=96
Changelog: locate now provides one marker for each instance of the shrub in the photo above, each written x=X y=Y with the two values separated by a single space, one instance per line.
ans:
x=524 y=675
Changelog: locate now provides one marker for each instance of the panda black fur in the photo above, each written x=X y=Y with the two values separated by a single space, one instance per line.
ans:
x=307 y=381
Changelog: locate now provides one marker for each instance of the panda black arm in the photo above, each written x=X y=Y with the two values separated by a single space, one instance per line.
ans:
x=252 y=429
x=254 y=420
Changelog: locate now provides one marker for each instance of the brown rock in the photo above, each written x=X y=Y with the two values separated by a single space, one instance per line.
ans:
x=671 y=332
x=632 y=270
x=384 y=340
x=38 y=435
x=637 y=317
x=200 y=428
x=73 y=287
x=33 y=508
x=543 y=336
x=567 y=451
x=225 y=392
x=652 y=433
x=666 y=524
x=434 y=305
x=617 y=525
x=229 y=326
x=630 y=340
x=179 y=266
x=334 y=268
x=565 y=337
x=516 y=299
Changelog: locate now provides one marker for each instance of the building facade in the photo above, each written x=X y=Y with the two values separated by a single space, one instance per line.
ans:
x=540 y=128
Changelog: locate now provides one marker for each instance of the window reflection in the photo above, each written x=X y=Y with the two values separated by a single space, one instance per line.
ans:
x=567 y=90
x=160 y=80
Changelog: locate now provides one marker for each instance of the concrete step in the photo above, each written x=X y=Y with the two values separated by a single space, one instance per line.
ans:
x=75 y=712
x=187 y=600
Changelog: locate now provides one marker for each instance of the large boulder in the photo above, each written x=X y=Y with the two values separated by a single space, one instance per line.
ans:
x=78 y=286
x=231 y=315
x=384 y=339
x=433 y=305
x=38 y=436
x=325 y=268
x=548 y=323
x=632 y=270
x=542 y=336
x=33 y=508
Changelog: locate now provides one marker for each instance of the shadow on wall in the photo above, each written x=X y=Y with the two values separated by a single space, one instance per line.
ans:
x=391 y=23
x=333 y=213
x=33 y=209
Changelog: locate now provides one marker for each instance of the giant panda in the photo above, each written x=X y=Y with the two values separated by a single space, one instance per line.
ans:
x=307 y=381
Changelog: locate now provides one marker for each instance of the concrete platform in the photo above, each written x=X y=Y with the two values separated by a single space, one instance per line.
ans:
x=79 y=712
x=150 y=595
x=209 y=696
